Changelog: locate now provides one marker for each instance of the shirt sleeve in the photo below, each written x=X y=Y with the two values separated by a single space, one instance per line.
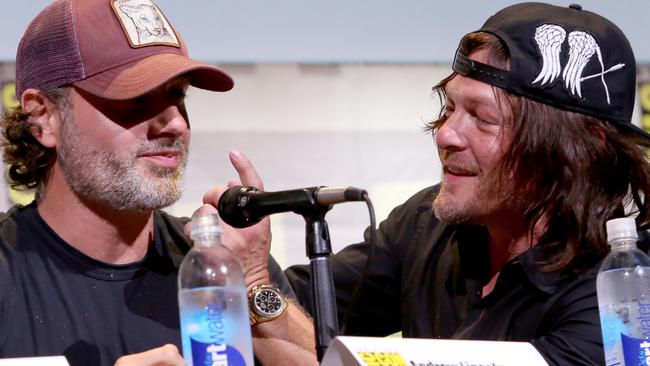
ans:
x=8 y=241
x=279 y=279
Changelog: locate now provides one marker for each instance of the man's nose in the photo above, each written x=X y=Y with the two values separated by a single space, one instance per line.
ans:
x=171 y=121
x=450 y=135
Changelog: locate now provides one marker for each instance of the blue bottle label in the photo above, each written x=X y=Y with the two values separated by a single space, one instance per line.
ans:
x=215 y=354
x=636 y=351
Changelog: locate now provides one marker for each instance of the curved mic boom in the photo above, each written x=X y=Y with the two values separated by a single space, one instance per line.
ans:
x=243 y=206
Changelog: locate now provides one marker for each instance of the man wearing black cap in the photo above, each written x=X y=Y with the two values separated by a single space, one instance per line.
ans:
x=538 y=152
x=89 y=269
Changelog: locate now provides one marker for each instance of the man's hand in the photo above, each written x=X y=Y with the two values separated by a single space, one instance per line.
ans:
x=166 y=355
x=288 y=339
x=251 y=245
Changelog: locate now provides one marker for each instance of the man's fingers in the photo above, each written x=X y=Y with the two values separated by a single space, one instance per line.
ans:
x=211 y=197
x=205 y=209
x=247 y=174
x=166 y=355
x=245 y=169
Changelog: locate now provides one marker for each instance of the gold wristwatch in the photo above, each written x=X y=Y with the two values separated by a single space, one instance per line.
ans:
x=265 y=303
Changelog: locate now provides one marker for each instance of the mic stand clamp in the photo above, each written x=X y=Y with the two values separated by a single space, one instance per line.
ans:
x=323 y=299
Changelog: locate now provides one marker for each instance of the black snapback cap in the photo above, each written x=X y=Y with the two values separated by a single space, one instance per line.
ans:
x=565 y=57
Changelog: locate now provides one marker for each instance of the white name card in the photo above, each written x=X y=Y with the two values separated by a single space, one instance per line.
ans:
x=31 y=361
x=371 y=351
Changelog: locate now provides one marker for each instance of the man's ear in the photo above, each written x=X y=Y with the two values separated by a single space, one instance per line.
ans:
x=44 y=117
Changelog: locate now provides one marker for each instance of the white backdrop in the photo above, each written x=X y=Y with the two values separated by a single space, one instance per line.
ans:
x=351 y=114
x=308 y=125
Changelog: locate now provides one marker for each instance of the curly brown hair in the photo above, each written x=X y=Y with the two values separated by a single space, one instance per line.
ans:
x=28 y=162
x=573 y=170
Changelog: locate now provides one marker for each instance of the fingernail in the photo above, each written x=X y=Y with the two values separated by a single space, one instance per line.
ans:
x=235 y=154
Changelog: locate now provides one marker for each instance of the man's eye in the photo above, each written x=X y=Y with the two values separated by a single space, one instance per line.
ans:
x=486 y=121
x=177 y=93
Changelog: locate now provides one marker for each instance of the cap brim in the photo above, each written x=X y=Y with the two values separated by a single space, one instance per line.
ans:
x=139 y=77
x=634 y=128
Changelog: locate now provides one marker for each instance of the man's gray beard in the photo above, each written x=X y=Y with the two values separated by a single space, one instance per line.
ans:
x=118 y=183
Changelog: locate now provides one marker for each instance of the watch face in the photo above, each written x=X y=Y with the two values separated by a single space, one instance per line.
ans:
x=267 y=302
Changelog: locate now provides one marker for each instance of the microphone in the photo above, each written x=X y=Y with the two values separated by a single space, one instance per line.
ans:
x=243 y=206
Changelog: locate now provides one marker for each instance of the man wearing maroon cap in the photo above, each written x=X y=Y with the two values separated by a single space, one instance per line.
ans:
x=88 y=270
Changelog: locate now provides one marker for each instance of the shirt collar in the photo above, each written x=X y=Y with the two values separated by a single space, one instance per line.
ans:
x=473 y=251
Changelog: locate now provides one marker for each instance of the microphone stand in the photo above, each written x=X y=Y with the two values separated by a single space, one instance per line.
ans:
x=319 y=248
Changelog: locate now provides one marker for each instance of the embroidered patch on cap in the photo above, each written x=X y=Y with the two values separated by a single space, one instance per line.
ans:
x=144 y=24
x=582 y=49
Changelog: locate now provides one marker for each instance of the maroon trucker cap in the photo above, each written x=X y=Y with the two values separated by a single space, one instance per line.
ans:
x=115 y=49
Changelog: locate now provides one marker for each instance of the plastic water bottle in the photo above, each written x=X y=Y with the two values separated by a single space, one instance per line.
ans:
x=215 y=325
x=623 y=286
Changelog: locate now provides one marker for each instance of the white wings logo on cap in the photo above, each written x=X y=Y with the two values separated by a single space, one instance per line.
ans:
x=582 y=47
x=549 y=38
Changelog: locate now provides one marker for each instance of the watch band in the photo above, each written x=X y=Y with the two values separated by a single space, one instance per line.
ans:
x=265 y=303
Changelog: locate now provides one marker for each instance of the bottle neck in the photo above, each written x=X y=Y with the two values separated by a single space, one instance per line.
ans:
x=623 y=244
x=207 y=240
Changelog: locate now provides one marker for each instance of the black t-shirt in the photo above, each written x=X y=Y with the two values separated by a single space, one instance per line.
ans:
x=425 y=279
x=55 y=300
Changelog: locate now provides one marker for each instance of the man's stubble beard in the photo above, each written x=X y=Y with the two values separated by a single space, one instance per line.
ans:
x=487 y=198
x=448 y=210
x=119 y=183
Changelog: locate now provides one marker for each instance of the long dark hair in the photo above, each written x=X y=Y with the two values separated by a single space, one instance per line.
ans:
x=571 y=170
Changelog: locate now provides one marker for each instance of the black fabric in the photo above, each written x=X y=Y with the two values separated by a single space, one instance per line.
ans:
x=55 y=300
x=426 y=279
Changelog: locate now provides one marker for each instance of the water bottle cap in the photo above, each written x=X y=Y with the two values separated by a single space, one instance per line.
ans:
x=205 y=224
x=624 y=227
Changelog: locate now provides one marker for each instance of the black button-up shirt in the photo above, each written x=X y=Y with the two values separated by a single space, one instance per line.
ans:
x=425 y=279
